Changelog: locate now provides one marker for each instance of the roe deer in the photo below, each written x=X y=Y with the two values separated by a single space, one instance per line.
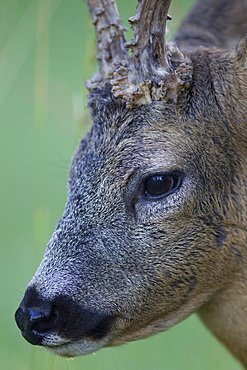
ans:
x=155 y=224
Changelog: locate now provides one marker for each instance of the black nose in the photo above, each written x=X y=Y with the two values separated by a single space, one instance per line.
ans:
x=39 y=319
x=35 y=317
x=34 y=324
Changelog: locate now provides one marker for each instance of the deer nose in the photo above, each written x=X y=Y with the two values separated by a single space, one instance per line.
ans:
x=40 y=319
x=35 y=323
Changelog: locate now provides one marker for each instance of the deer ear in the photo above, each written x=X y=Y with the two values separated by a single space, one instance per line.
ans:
x=240 y=53
x=238 y=60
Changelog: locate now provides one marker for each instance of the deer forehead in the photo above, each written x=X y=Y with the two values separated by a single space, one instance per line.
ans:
x=150 y=145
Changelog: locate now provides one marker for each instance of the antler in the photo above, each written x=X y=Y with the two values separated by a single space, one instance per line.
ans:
x=110 y=40
x=149 y=25
x=155 y=71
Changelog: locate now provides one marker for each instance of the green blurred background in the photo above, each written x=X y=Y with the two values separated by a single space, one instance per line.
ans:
x=46 y=53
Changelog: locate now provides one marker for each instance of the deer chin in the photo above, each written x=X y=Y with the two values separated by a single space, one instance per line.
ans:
x=72 y=348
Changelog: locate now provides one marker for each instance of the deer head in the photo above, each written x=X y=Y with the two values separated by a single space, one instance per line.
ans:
x=155 y=224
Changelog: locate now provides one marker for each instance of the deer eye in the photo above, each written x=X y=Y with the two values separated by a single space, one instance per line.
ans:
x=160 y=185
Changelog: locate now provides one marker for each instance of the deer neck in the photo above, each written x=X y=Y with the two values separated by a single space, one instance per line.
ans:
x=226 y=316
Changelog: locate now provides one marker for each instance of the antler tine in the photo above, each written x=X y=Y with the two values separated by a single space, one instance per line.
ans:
x=149 y=26
x=110 y=40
